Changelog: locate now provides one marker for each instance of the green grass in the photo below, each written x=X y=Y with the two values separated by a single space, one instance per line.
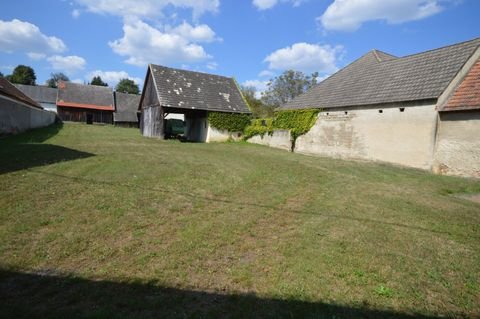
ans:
x=98 y=221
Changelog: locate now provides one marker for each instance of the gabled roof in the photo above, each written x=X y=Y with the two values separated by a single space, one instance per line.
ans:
x=378 y=77
x=85 y=96
x=467 y=94
x=126 y=106
x=39 y=93
x=194 y=90
x=9 y=90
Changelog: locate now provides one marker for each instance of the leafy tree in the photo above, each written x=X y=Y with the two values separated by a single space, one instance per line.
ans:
x=55 y=78
x=258 y=108
x=22 y=74
x=286 y=86
x=97 y=80
x=127 y=86
x=1 y=75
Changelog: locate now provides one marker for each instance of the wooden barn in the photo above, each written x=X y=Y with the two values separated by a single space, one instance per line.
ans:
x=126 y=109
x=193 y=94
x=85 y=103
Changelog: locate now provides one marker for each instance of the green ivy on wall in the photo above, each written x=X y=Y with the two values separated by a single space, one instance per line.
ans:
x=298 y=122
x=259 y=127
x=232 y=122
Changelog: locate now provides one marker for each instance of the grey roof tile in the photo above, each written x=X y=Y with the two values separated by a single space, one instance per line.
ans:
x=39 y=93
x=194 y=90
x=81 y=94
x=126 y=106
x=378 y=77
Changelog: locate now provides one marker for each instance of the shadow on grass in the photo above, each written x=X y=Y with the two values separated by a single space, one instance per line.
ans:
x=23 y=151
x=26 y=295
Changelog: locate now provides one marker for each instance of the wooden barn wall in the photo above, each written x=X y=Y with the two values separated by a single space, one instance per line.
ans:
x=80 y=115
x=152 y=121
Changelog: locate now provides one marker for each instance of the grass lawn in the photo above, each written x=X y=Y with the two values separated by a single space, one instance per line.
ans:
x=98 y=221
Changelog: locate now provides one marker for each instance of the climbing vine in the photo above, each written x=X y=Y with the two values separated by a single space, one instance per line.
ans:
x=232 y=122
x=298 y=122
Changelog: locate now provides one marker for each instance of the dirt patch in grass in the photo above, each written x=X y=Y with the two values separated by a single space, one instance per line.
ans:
x=472 y=197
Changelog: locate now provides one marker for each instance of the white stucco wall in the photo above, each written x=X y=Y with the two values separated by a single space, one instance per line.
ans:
x=216 y=135
x=16 y=117
x=405 y=138
x=458 y=144
x=279 y=139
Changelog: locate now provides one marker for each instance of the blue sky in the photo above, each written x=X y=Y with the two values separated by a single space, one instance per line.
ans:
x=252 y=40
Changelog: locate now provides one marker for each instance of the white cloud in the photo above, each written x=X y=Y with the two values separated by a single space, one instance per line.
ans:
x=147 y=8
x=260 y=86
x=212 y=65
x=112 y=77
x=268 y=4
x=36 y=56
x=75 y=13
x=264 y=4
x=305 y=57
x=266 y=74
x=20 y=36
x=143 y=44
x=68 y=64
x=349 y=15
x=199 y=33
x=79 y=81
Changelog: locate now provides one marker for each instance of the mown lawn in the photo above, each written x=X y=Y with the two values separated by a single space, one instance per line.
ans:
x=97 y=221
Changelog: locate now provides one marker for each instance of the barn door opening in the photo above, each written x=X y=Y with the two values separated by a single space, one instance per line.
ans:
x=89 y=118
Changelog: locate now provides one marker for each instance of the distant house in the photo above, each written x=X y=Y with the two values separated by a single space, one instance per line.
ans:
x=18 y=112
x=193 y=94
x=126 y=109
x=85 y=103
x=421 y=110
x=43 y=95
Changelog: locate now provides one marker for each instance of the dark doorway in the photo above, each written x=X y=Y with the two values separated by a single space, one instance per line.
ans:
x=89 y=118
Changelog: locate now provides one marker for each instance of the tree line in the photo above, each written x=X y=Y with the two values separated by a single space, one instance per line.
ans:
x=280 y=90
x=23 y=74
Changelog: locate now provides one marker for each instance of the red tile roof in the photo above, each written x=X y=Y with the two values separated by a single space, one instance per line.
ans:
x=467 y=94
x=9 y=90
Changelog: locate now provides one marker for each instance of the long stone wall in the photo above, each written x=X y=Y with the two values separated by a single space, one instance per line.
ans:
x=216 y=135
x=16 y=117
x=400 y=135
x=457 y=149
x=279 y=139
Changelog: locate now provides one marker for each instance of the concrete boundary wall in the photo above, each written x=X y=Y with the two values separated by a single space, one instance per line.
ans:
x=281 y=139
x=399 y=135
x=457 y=150
x=16 y=117
x=216 y=135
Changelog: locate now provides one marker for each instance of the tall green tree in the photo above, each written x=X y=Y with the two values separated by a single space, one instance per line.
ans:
x=259 y=110
x=287 y=86
x=127 y=86
x=97 y=80
x=23 y=74
x=55 y=78
x=1 y=75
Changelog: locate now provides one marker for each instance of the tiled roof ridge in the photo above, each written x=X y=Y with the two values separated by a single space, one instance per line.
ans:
x=190 y=71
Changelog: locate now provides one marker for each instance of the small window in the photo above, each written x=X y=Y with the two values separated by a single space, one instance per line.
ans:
x=402 y=109
x=346 y=113
x=380 y=111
